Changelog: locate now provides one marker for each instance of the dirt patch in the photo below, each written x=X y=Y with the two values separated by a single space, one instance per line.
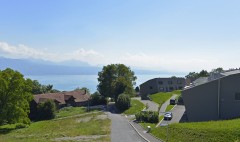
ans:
x=85 y=119
x=103 y=116
x=80 y=138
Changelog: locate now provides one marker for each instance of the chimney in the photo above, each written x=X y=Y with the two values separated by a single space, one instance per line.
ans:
x=85 y=91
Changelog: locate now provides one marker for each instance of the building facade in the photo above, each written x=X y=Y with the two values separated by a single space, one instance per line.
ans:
x=217 y=97
x=161 y=85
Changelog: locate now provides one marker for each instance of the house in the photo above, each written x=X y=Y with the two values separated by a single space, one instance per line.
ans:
x=161 y=85
x=61 y=99
x=214 y=97
x=72 y=98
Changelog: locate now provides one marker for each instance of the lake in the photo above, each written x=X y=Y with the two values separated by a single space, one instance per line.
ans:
x=71 y=82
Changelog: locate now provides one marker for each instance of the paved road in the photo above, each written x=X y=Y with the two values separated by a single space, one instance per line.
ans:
x=178 y=112
x=121 y=130
x=152 y=106
x=164 y=105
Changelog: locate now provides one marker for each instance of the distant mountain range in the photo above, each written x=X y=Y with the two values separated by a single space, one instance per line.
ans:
x=40 y=67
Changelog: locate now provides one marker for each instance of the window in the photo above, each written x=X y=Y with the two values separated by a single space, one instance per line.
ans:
x=150 y=87
x=169 y=82
x=237 y=96
x=161 y=88
x=179 y=82
x=160 y=82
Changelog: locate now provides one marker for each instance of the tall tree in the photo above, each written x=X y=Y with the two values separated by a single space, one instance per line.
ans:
x=38 y=88
x=115 y=79
x=217 y=70
x=192 y=75
x=15 y=95
x=203 y=73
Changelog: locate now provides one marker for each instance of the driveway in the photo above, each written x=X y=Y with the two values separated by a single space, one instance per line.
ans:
x=164 y=105
x=178 y=115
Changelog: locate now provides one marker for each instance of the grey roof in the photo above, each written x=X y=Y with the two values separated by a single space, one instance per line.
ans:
x=213 y=76
x=226 y=73
x=200 y=80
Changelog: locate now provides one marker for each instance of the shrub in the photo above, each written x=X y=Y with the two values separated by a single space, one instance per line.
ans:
x=147 y=116
x=97 y=99
x=123 y=102
x=46 y=110
x=20 y=125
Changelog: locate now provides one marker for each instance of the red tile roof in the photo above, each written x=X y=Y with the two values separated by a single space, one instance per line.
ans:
x=61 y=97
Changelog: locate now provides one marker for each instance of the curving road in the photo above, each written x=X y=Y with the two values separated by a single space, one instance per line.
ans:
x=121 y=131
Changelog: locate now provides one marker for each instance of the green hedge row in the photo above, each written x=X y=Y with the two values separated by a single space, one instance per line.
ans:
x=147 y=116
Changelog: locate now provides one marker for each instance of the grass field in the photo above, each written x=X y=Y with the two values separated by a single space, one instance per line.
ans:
x=162 y=97
x=169 y=107
x=72 y=126
x=212 y=131
x=136 y=106
x=69 y=111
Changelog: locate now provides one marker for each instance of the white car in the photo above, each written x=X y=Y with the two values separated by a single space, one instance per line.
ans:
x=168 y=116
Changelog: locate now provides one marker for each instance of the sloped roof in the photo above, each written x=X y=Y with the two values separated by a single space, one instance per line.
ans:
x=62 y=97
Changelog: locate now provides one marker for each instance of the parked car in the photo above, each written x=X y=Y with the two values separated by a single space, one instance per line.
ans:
x=168 y=116
x=173 y=101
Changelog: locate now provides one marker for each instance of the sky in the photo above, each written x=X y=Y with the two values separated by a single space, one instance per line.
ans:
x=162 y=35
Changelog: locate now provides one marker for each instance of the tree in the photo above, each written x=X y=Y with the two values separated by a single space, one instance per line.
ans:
x=98 y=99
x=217 y=70
x=173 y=77
x=137 y=89
x=123 y=102
x=46 y=110
x=15 y=95
x=115 y=79
x=83 y=88
x=203 y=73
x=192 y=75
x=38 y=88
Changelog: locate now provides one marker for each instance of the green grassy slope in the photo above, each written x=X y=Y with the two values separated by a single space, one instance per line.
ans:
x=93 y=126
x=136 y=106
x=212 y=131
x=162 y=97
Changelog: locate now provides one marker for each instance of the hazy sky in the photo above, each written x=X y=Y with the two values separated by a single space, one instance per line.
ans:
x=169 y=35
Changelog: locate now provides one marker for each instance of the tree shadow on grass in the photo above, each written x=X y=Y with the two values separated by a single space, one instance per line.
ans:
x=6 y=130
x=113 y=109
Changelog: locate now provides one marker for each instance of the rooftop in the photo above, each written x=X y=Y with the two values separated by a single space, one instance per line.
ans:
x=212 y=76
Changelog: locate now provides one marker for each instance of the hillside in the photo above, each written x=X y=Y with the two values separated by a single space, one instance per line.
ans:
x=72 y=124
x=212 y=131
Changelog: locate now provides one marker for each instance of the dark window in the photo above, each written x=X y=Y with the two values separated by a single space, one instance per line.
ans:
x=160 y=82
x=237 y=96
x=169 y=82
x=171 y=88
x=179 y=82
x=150 y=87
x=180 y=87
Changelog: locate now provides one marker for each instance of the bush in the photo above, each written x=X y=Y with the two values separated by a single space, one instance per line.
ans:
x=147 y=116
x=97 y=99
x=20 y=125
x=46 y=110
x=123 y=102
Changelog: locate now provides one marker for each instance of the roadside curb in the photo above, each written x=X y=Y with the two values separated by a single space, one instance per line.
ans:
x=153 y=135
x=159 y=123
x=138 y=132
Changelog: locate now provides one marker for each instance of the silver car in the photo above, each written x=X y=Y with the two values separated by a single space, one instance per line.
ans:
x=168 y=116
